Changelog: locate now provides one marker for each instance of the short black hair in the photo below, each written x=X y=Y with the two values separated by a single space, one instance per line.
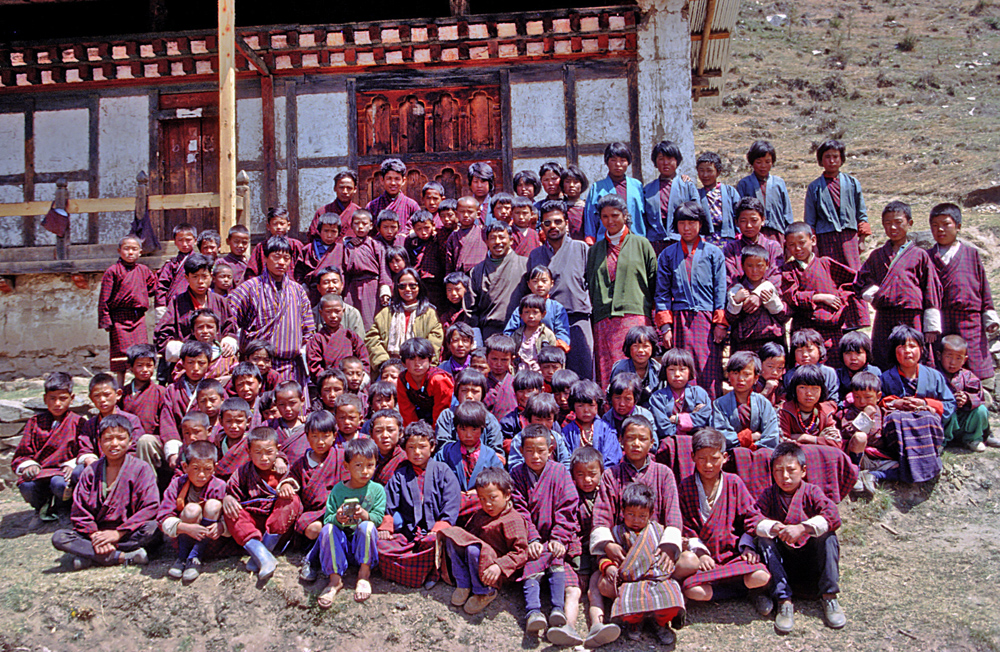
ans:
x=360 y=447
x=551 y=355
x=419 y=429
x=771 y=350
x=624 y=382
x=416 y=347
x=470 y=414
x=114 y=422
x=678 y=358
x=639 y=335
x=949 y=209
x=393 y=165
x=529 y=177
x=805 y=337
x=347 y=400
x=388 y=413
x=954 y=342
x=496 y=226
x=262 y=433
x=638 y=494
x=184 y=227
x=470 y=376
x=320 y=421
x=137 y=352
x=585 y=455
x=194 y=348
x=585 y=391
x=708 y=438
x=809 y=375
x=500 y=198
x=741 y=360
x=856 y=342
x=484 y=171
x=501 y=344
x=459 y=328
x=196 y=262
x=247 y=369
x=788 y=449
x=327 y=374
x=103 y=378
x=563 y=380
x=798 y=227
x=711 y=158
x=381 y=389
x=203 y=312
x=550 y=166
x=458 y=278
x=528 y=379
x=897 y=206
x=749 y=204
x=201 y=450
x=349 y=174
x=619 y=149
x=288 y=387
x=542 y=405
x=901 y=333
x=753 y=251
x=253 y=346
x=533 y=430
x=238 y=229
x=692 y=211
x=532 y=302
x=552 y=206
x=265 y=401
x=210 y=385
x=668 y=149
x=422 y=215
x=277 y=244
x=497 y=477
x=208 y=234
x=866 y=381
x=198 y=418
x=328 y=219
x=275 y=212
x=431 y=185
x=58 y=381
x=386 y=215
x=760 y=149
x=574 y=172
x=235 y=404
x=829 y=144
x=448 y=204
x=614 y=201
x=641 y=421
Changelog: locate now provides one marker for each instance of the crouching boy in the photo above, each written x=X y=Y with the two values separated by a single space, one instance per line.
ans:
x=191 y=509
x=797 y=539
x=114 y=504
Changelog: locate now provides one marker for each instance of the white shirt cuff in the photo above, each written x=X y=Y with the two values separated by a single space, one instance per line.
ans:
x=869 y=294
x=599 y=538
x=764 y=528
x=695 y=545
x=172 y=447
x=991 y=321
x=671 y=541
x=23 y=466
x=818 y=525
x=932 y=320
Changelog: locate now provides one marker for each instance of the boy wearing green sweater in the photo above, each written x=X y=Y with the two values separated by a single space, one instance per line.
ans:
x=353 y=512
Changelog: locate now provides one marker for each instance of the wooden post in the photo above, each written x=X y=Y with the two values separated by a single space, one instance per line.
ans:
x=703 y=46
x=243 y=192
x=61 y=202
x=227 y=115
x=141 y=195
x=268 y=140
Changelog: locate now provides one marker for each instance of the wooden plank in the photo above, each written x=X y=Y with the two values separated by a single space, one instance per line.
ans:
x=633 y=119
x=506 y=136
x=291 y=200
x=29 y=173
x=227 y=115
x=352 y=124
x=187 y=201
x=569 y=103
x=268 y=139
x=86 y=265
x=188 y=100
x=713 y=37
x=106 y=205
x=94 y=187
x=27 y=209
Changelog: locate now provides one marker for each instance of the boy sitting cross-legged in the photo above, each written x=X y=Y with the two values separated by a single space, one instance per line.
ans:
x=191 y=509
x=719 y=523
x=422 y=498
x=114 y=505
x=797 y=539
x=256 y=515
x=354 y=510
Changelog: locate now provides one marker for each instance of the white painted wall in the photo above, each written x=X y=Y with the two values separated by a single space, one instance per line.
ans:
x=62 y=140
x=322 y=125
x=123 y=148
x=12 y=140
x=11 y=228
x=79 y=231
x=602 y=111
x=315 y=191
x=537 y=114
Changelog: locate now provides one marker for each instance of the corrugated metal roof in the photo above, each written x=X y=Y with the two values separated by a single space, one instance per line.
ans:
x=717 y=49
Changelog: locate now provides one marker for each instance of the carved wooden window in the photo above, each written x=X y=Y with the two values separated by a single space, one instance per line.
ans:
x=437 y=132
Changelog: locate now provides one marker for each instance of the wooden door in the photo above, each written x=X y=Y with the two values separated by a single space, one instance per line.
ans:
x=437 y=132
x=189 y=162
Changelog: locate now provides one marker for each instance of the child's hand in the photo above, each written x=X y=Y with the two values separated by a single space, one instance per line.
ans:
x=491 y=575
x=280 y=466
x=831 y=300
x=752 y=304
x=667 y=338
x=871 y=410
x=706 y=563
x=104 y=541
x=87 y=460
x=361 y=514
x=231 y=507
x=67 y=474
x=757 y=436
x=698 y=407
x=557 y=549
x=961 y=398
x=831 y=434
x=615 y=553
x=193 y=530
x=285 y=491
x=790 y=534
x=213 y=531
x=765 y=295
x=29 y=473
x=664 y=561
x=611 y=572
x=172 y=461
x=384 y=535
x=535 y=549
x=720 y=333
x=740 y=295
x=750 y=556
x=674 y=418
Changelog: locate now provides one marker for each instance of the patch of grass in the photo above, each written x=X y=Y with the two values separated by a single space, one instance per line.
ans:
x=992 y=22
x=16 y=598
x=908 y=43
x=863 y=515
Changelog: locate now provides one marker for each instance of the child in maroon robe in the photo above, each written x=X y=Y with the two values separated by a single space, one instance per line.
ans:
x=386 y=428
x=238 y=241
x=256 y=515
x=43 y=460
x=333 y=342
x=278 y=224
x=179 y=398
x=325 y=248
x=114 y=505
x=466 y=246
x=104 y=394
x=719 y=523
x=126 y=290
x=796 y=538
x=170 y=280
x=190 y=511
x=345 y=185
x=366 y=275
x=545 y=495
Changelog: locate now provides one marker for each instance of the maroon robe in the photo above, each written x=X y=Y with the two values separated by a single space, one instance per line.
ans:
x=121 y=308
x=465 y=249
x=504 y=540
x=549 y=505
x=311 y=262
x=173 y=501
x=345 y=213
x=401 y=205
x=525 y=242
x=607 y=507
x=365 y=271
x=385 y=466
x=750 y=330
x=807 y=501
x=825 y=276
x=48 y=443
x=131 y=502
x=907 y=287
x=145 y=404
x=966 y=298
x=177 y=401
x=733 y=251
x=327 y=348
x=170 y=280
x=88 y=435
x=239 y=265
x=176 y=321
x=733 y=515
x=255 y=266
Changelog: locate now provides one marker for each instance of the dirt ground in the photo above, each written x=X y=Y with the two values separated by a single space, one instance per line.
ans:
x=912 y=88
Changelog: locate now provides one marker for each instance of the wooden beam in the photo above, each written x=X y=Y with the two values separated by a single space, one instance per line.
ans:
x=227 y=115
x=705 y=35
x=252 y=57
x=714 y=36
x=268 y=140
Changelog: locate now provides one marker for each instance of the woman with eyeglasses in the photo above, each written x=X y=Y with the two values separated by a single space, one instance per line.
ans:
x=409 y=314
